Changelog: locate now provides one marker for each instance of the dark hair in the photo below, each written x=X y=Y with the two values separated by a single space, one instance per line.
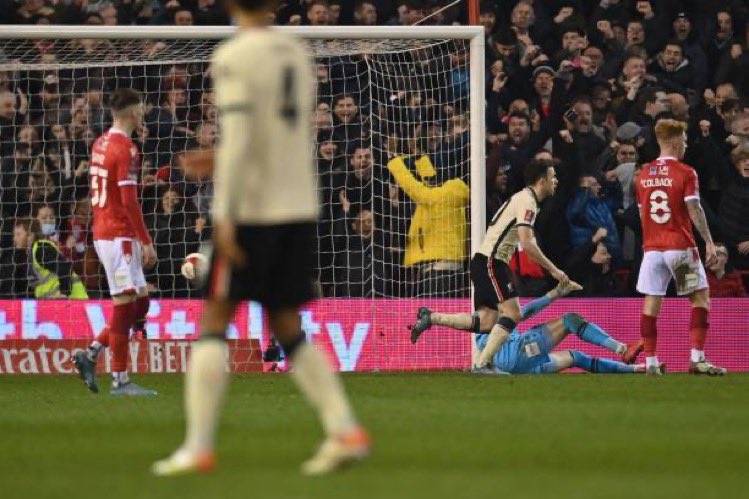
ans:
x=676 y=42
x=519 y=114
x=123 y=98
x=340 y=97
x=255 y=4
x=505 y=36
x=535 y=170
x=317 y=2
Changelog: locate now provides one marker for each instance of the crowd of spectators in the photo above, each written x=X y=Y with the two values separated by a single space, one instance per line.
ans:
x=581 y=82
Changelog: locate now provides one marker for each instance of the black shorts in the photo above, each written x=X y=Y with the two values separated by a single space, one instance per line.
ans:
x=492 y=282
x=280 y=266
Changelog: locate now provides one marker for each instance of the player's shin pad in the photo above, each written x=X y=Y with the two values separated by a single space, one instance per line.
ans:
x=592 y=333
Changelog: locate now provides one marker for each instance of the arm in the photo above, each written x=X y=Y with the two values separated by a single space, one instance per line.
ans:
x=454 y=191
x=530 y=246
x=697 y=214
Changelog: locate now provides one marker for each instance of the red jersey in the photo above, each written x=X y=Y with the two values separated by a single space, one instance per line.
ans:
x=662 y=189
x=113 y=170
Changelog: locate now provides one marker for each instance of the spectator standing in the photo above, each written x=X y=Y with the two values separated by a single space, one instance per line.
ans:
x=589 y=211
x=734 y=210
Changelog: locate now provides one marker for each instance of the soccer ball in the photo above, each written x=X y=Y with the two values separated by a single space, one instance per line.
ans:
x=194 y=266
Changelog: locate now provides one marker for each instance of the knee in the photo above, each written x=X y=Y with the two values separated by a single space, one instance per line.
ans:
x=486 y=322
x=507 y=323
x=573 y=322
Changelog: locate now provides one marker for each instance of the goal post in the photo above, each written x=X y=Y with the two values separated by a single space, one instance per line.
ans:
x=418 y=92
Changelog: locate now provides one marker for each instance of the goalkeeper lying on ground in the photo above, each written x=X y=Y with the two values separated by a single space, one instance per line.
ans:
x=532 y=352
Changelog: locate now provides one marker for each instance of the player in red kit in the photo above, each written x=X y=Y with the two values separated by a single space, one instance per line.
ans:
x=121 y=240
x=669 y=201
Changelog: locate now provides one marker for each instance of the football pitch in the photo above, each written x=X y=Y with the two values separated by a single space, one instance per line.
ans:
x=437 y=435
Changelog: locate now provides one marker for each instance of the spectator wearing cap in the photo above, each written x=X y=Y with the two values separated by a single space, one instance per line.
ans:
x=621 y=150
x=543 y=85
x=734 y=209
x=692 y=48
x=674 y=72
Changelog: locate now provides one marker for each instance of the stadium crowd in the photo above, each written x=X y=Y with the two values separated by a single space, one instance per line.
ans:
x=582 y=82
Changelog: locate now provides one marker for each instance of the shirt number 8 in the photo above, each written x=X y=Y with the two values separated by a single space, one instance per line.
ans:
x=660 y=213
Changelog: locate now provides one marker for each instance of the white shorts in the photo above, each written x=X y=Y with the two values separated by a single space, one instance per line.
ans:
x=659 y=267
x=123 y=263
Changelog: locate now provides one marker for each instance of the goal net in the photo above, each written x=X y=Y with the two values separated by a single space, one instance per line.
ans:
x=398 y=141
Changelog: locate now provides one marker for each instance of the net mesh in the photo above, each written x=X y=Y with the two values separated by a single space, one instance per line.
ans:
x=392 y=147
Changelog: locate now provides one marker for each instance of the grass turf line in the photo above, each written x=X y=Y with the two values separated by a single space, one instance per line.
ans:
x=437 y=435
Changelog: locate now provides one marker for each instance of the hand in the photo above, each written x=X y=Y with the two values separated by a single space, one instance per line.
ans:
x=705 y=128
x=530 y=53
x=743 y=248
x=563 y=14
x=633 y=87
x=149 y=256
x=294 y=20
x=198 y=163
x=711 y=255
x=604 y=26
x=614 y=145
x=733 y=140
x=611 y=176
x=600 y=235
x=566 y=136
x=225 y=242
x=345 y=203
x=499 y=82
x=736 y=51
x=542 y=58
x=560 y=276
x=200 y=224
x=644 y=8
x=566 y=66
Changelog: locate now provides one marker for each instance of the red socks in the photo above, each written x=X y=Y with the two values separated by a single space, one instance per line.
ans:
x=103 y=337
x=141 y=309
x=649 y=333
x=698 y=325
x=119 y=331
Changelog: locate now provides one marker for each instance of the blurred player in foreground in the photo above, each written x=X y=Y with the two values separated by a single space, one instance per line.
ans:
x=496 y=304
x=121 y=239
x=264 y=216
x=669 y=201
x=531 y=352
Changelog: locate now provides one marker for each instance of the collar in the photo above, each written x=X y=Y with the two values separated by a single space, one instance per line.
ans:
x=118 y=131
x=665 y=158
x=535 y=197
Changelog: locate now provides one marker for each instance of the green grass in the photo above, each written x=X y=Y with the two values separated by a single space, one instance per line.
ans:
x=436 y=435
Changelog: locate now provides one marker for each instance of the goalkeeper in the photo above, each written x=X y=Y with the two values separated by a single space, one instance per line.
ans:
x=532 y=352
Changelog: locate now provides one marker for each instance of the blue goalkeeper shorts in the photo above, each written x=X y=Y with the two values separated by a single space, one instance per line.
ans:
x=526 y=353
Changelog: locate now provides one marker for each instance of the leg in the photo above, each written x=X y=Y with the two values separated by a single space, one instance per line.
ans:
x=509 y=317
x=597 y=365
x=698 y=331
x=655 y=275
x=480 y=321
x=592 y=333
x=207 y=377
x=142 y=303
x=648 y=329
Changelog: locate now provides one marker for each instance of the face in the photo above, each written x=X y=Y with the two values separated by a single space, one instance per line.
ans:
x=672 y=57
x=601 y=99
x=183 y=18
x=500 y=180
x=27 y=135
x=59 y=132
x=723 y=92
x=328 y=150
x=740 y=127
x=45 y=215
x=518 y=130
x=627 y=153
x=596 y=58
x=488 y=20
x=584 y=117
x=725 y=25
x=109 y=15
x=7 y=105
x=178 y=97
x=570 y=40
x=544 y=84
x=206 y=134
x=522 y=16
x=322 y=120
x=682 y=28
x=21 y=237
x=361 y=162
x=346 y=110
x=367 y=15
x=601 y=256
x=318 y=15
x=549 y=184
x=169 y=201
x=334 y=12
x=364 y=224
x=505 y=50
x=634 y=67
x=679 y=107
x=635 y=34
x=520 y=106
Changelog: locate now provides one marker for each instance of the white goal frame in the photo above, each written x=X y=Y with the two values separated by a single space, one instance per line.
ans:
x=473 y=34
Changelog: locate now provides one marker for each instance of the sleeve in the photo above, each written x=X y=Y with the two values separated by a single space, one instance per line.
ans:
x=127 y=166
x=691 y=186
x=233 y=99
x=526 y=212
x=453 y=192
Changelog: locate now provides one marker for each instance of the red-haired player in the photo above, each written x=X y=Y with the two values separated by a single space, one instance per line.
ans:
x=121 y=240
x=669 y=202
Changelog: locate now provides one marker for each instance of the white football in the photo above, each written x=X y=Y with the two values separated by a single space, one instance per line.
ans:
x=194 y=266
